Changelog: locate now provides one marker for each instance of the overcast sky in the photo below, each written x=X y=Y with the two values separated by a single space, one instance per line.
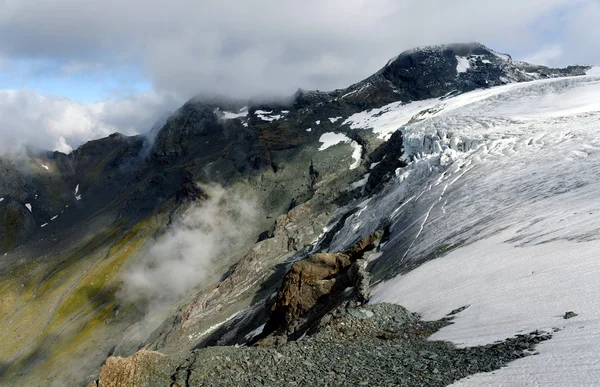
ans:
x=73 y=70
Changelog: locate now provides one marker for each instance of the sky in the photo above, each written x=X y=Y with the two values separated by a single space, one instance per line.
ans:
x=75 y=70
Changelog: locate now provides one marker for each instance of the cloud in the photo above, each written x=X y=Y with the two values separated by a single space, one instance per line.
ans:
x=546 y=56
x=195 y=247
x=241 y=47
x=246 y=48
x=47 y=122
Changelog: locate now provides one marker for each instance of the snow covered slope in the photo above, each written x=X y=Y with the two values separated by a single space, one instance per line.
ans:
x=507 y=180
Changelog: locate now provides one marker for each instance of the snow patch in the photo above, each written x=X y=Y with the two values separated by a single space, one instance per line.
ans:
x=356 y=91
x=269 y=116
x=309 y=130
x=28 y=205
x=463 y=64
x=386 y=120
x=231 y=115
x=78 y=197
x=318 y=122
x=77 y=189
x=330 y=139
x=54 y=217
x=44 y=225
x=356 y=154
x=254 y=333
x=45 y=167
x=333 y=120
x=1 y=199
x=360 y=183
x=212 y=328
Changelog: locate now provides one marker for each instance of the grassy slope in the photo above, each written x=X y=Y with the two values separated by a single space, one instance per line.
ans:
x=51 y=313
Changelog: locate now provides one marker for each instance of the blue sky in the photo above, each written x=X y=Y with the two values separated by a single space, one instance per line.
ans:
x=49 y=77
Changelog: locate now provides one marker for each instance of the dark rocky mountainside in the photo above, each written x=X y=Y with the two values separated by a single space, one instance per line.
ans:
x=72 y=225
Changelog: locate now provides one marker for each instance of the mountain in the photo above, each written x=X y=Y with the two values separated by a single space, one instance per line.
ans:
x=248 y=222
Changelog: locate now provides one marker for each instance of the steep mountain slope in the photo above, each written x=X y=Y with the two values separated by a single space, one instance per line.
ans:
x=323 y=170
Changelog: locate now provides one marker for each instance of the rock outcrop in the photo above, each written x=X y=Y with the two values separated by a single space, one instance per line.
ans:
x=314 y=285
x=143 y=369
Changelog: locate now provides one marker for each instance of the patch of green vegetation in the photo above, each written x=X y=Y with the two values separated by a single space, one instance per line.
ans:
x=100 y=280
x=65 y=267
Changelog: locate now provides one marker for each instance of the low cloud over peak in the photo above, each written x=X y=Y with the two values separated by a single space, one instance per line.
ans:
x=240 y=48
x=48 y=122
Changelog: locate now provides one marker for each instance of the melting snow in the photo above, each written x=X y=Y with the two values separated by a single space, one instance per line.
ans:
x=463 y=64
x=334 y=119
x=28 y=205
x=330 y=139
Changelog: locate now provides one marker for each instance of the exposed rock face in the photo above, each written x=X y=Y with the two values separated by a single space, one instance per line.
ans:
x=314 y=283
x=384 y=161
x=143 y=369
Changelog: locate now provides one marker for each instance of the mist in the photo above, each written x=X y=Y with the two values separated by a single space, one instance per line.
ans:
x=32 y=120
x=194 y=250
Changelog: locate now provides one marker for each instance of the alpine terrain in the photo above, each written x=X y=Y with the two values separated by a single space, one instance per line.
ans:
x=436 y=223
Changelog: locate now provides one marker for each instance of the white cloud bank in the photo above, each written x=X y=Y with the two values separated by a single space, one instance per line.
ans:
x=242 y=48
x=47 y=122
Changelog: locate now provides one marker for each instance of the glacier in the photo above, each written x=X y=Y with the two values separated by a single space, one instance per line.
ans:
x=503 y=190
